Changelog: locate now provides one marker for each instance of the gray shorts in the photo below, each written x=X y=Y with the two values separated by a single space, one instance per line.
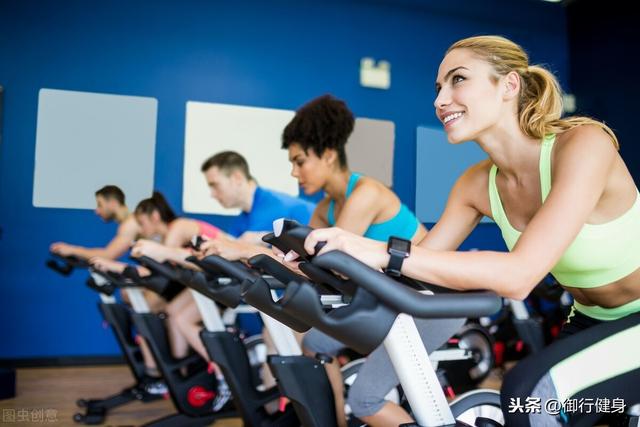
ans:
x=376 y=378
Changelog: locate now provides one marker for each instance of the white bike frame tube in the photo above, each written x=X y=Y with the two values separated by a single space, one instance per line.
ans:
x=413 y=367
x=209 y=311
x=450 y=354
x=106 y=299
x=101 y=281
x=136 y=297
x=229 y=316
x=283 y=338
x=334 y=301
x=519 y=309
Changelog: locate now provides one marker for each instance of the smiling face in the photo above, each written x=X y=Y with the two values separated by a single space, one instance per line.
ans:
x=470 y=97
x=310 y=170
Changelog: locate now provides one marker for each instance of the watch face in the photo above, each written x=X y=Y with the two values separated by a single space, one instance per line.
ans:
x=401 y=245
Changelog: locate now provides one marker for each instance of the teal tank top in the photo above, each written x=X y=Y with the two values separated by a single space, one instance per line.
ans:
x=404 y=224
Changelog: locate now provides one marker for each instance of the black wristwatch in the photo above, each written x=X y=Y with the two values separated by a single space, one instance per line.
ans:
x=398 y=249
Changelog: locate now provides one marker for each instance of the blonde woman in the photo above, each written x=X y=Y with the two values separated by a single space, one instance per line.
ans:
x=565 y=203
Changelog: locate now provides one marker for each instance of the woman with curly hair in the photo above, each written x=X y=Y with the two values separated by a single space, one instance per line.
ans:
x=316 y=139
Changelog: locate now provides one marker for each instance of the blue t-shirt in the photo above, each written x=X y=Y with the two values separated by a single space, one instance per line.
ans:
x=269 y=205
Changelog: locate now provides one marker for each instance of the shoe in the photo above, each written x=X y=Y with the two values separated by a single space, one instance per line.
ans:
x=156 y=387
x=223 y=395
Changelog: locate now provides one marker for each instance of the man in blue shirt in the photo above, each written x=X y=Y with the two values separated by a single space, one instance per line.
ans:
x=227 y=174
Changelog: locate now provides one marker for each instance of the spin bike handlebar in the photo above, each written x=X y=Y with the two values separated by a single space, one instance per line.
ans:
x=255 y=289
x=289 y=236
x=405 y=300
x=64 y=265
x=214 y=284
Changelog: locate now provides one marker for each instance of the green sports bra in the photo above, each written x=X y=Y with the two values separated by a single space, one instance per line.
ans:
x=600 y=254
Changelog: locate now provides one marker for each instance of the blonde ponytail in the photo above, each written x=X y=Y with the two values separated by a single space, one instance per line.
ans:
x=540 y=104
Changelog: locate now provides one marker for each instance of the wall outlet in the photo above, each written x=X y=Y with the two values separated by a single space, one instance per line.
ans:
x=569 y=103
x=374 y=75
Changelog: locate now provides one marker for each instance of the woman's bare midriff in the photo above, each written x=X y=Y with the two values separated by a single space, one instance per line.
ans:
x=613 y=295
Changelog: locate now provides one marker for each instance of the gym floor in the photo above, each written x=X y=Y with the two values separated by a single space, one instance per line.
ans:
x=46 y=397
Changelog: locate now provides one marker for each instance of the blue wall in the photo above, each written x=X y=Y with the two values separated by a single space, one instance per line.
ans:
x=603 y=43
x=275 y=54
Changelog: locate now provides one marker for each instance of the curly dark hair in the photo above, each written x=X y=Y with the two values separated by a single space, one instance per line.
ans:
x=323 y=123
